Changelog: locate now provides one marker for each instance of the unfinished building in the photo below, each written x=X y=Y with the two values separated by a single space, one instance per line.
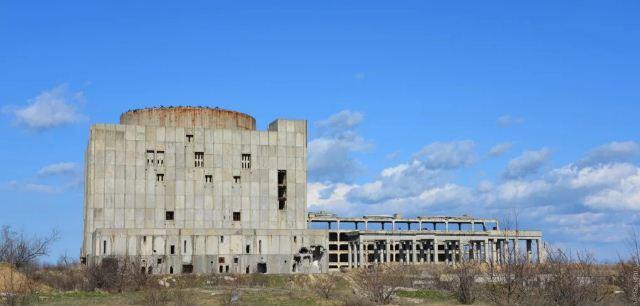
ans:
x=200 y=190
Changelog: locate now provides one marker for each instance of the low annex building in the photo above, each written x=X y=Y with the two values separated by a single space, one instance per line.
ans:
x=200 y=190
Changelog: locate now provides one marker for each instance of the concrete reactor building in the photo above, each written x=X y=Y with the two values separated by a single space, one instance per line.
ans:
x=200 y=190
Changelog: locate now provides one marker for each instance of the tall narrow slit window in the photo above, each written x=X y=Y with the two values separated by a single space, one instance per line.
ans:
x=160 y=177
x=208 y=178
x=150 y=157
x=282 y=189
x=199 y=159
x=246 y=161
x=160 y=158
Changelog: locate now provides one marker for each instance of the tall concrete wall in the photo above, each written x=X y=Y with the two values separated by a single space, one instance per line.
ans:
x=180 y=174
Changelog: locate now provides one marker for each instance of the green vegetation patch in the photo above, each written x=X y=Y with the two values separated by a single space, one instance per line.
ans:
x=433 y=295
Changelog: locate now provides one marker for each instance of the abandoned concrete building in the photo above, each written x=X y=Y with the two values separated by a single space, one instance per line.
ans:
x=200 y=190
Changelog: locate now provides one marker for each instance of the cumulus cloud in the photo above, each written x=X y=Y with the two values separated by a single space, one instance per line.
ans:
x=572 y=203
x=624 y=151
x=500 y=149
x=50 y=109
x=527 y=164
x=447 y=155
x=508 y=120
x=427 y=169
x=58 y=169
x=330 y=155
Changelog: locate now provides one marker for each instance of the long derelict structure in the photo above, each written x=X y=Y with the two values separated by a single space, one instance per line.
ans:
x=200 y=190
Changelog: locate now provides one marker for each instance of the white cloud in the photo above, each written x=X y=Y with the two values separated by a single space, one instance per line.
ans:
x=330 y=154
x=448 y=155
x=526 y=164
x=624 y=151
x=57 y=169
x=31 y=187
x=50 y=109
x=508 y=120
x=625 y=195
x=500 y=149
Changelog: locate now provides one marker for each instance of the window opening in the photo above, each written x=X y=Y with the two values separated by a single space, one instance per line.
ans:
x=150 y=157
x=199 y=159
x=282 y=189
x=246 y=161
x=236 y=216
x=168 y=215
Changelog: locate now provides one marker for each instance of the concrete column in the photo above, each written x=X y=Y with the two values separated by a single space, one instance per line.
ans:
x=446 y=226
x=494 y=252
x=435 y=251
x=484 y=246
x=387 y=258
x=528 y=242
x=348 y=257
x=366 y=225
x=516 y=248
x=360 y=254
x=473 y=226
x=420 y=226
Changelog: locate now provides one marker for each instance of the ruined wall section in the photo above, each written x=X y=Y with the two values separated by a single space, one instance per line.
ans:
x=205 y=117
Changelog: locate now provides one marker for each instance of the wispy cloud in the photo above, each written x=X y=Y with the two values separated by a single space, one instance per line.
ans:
x=527 y=164
x=51 y=108
x=615 y=151
x=500 y=149
x=509 y=120
x=57 y=169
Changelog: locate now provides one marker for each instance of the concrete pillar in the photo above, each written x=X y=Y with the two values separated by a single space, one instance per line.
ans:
x=349 y=257
x=516 y=248
x=473 y=226
x=366 y=225
x=494 y=252
x=387 y=258
x=420 y=226
x=360 y=254
x=528 y=242
x=435 y=251
x=446 y=226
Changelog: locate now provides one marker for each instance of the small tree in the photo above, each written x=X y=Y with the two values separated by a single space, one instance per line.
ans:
x=326 y=284
x=513 y=278
x=572 y=281
x=20 y=250
x=379 y=282
x=629 y=270
x=464 y=283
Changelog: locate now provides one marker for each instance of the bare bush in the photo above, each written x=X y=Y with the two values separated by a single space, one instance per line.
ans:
x=325 y=285
x=379 y=282
x=572 y=281
x=156 y=296
x=116 y=275
x=513 y=280
x=629 y=270
x=20 y=250
x=463 y=281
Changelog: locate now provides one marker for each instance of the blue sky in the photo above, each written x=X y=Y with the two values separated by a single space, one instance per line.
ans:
x=478 y=107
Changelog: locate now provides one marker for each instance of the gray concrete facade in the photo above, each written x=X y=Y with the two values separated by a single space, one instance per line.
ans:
x=200 y=190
